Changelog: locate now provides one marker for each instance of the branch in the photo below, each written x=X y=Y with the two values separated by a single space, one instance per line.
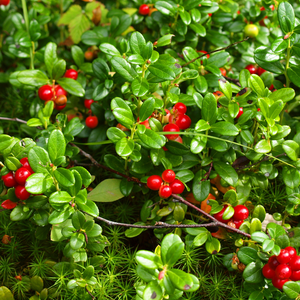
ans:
x=13 y=119
x=105 y=167
x=93 y=297
x=158 y=224
x=218 y=50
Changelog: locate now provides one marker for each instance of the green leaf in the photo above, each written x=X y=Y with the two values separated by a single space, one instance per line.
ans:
x=167 y=242
x=168 y=8
x=38 y=183
x=292 y=289
x=291 y=148
x=151 y=139
x=32 y=77
x=226 y=88
x=50 y=57
x=146 y=109
x=198 y=28
x=162 y=71
x=164 y=40
x=90 y=207
x=60 y=197
x=253 y=273
x=247 y=255
x=263 y=146
x=140 y=87
x=59 y=69
x=122 y=67
x=78 y=26
x=153 y=291
x=137 y=43
x=78 y=219
x=109 y=49
x=148 y=259
x=72 y=86
x=64 y=177
x=284 y=94
x=291 y=177
x=18 y=214
x=256 y=84
x=122 y=112
x=77 y=55
x=133 y=232
x=259 y=212
x=225 y=128
x=227 y=172
x=244 y=78
x=201 y=238
x=124 y=146
x=107 y=190
x=286 y=17
x=38 y=158
x=77 y=240
x=100 y=69
x=268 y=245
x=56 y=145
x=209 y=108
x=85 y=175
x=181 y=280
x=185 y=17
x=259 y=237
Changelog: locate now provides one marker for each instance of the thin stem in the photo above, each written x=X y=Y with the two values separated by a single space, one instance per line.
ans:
x=26 y=19
x=235 y=81
x=105 y=167
x=93 y=297
x=218 y=50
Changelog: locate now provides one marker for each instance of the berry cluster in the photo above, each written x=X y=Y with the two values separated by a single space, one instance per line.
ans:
x=283 y=267
x=166 y=184
x=17 y=180
x=241 y=213
x=55 y=92
x=91 y=121
x=177 y=120
x=255 y=70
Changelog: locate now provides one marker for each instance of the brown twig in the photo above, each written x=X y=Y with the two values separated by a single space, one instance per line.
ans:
x=218 y=50
x=93 y=297
x=158 y=224
x=105 y=167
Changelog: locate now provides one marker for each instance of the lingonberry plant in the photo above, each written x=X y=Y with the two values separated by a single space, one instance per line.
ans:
x=184 y=111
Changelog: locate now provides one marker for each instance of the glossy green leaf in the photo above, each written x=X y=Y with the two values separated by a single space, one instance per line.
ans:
x=56 y=144
x=226 y=172
x=71 y=86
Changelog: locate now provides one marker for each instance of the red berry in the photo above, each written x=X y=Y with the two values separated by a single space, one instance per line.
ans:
x=278 y=283
x=168 y=175
x=262 y=8
x=60 y=107
x=258 y=109
x=180 y=108
x=260 y=71
x=4 y=2
x=21 y=175
x=88 y=103
x=7 y=204
x=46 y=92
x=9 y=180
x=283 y=271
x=268 y=272
x=154 y=182
x=71 y=73
x=292 y=251
x=295 y=275
x=21 y=192
x=209 y=14
x=295 y=263
x=284 y=256
x=219 y=215
x=252 y=69
x=241 y=111
x=271 y=87
x=172 y=128
x=165 y=191
x=183 y=122
x=223 y=71
x=24 y=161
x=144 y=9
x=241 y=212
x=91 y=121
x=59 y=91
x=273 y=262
x=272 y=7
x=177 y=186
x=238 y=12
x=238 y=223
